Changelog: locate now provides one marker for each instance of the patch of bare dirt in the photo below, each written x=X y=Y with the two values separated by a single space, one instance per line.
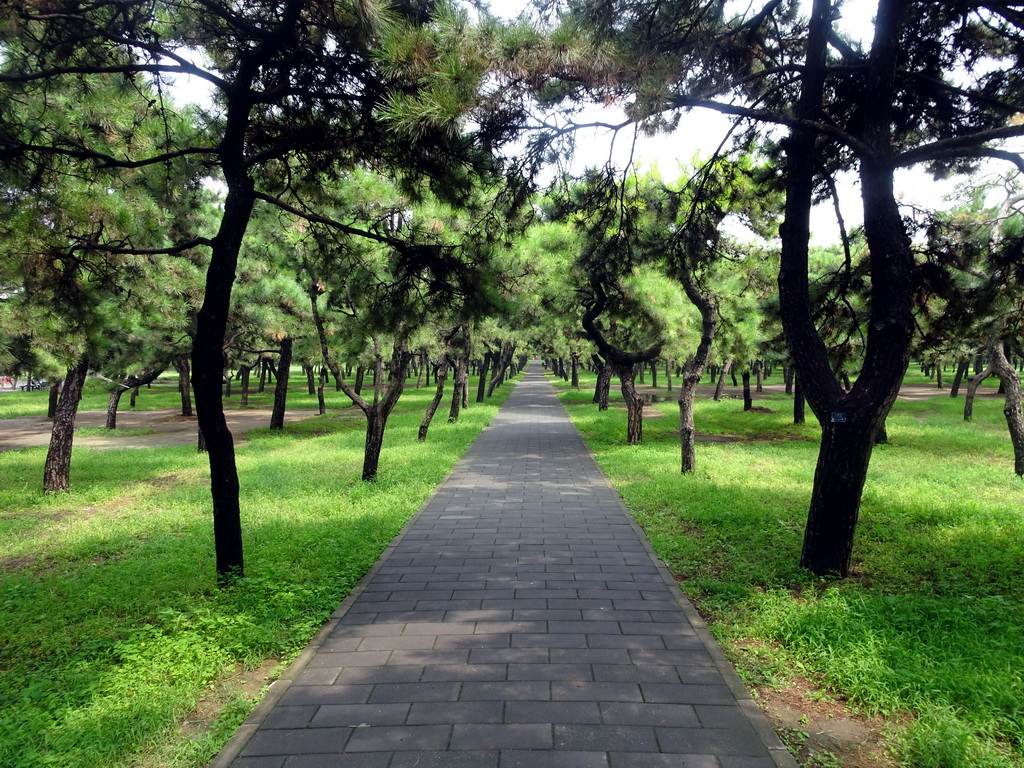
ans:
x=922 y=416
x=821 y=727
x=239 y=683
x=10 y=564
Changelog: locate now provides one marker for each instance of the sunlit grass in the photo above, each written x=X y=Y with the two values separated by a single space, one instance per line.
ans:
x=113 y=625
x=930 y=623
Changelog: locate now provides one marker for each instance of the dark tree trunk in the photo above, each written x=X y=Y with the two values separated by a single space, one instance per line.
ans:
x=246 y=372
x=208 y=361
x=838 y=485
x=57 y=470
x=467 y=350
x=504 y=360
x=460 y=374
x=849 y=420
x=634 y=403
x=423 y=370
x=726 y=368
x=310 y=379
x=748 y=402
x=799 y=403
x=882 y=435
x=321 y=403
x=979 y=364
x=112 y=403
x=129 y=383
x=377 y=414
x=603 y=387
x=375 y=424
x=281 y=388
x=693 y=370
x=972 y=389
x=961 y=371
x=51 y=405
x=1013 y=406
x=654 y=374
x=263 y=377
x=181 y=365
x=135 y=394
x=574 y=363
x=485 y=366
x=668 y=376
x=787 y=378
x=360 y=373
x=441 y=376
x=759 y=373
x=938 y=374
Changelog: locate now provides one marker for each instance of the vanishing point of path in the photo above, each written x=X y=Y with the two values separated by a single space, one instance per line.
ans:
x=519 y=621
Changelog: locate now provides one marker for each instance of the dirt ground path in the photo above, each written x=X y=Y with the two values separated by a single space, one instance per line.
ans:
x=171 y=428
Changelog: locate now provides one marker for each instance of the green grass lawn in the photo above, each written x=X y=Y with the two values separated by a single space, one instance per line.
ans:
x=928 y=631
x=114 y=634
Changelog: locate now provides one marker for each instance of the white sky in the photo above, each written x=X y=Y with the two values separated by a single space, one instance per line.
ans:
x=701 y=131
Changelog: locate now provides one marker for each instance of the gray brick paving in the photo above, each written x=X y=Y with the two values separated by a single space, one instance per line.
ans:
x=518 y=620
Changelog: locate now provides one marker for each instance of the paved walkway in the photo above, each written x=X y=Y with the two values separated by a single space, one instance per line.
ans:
x=519 y=621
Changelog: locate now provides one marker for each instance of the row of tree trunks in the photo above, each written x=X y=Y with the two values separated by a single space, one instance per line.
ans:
x=508 y=349
x=485 y=365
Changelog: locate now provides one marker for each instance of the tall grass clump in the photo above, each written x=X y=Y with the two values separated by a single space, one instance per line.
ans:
x=927 y=632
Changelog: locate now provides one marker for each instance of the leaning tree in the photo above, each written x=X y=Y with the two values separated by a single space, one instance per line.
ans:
x=939 y=85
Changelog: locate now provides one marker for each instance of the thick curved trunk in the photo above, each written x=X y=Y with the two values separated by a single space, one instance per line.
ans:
x=634 y=405
x=207 y=371
x=57 y=469
x=851 y=420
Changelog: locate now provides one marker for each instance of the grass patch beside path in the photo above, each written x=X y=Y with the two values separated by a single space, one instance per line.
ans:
x=928 y=630
x=114 y=636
